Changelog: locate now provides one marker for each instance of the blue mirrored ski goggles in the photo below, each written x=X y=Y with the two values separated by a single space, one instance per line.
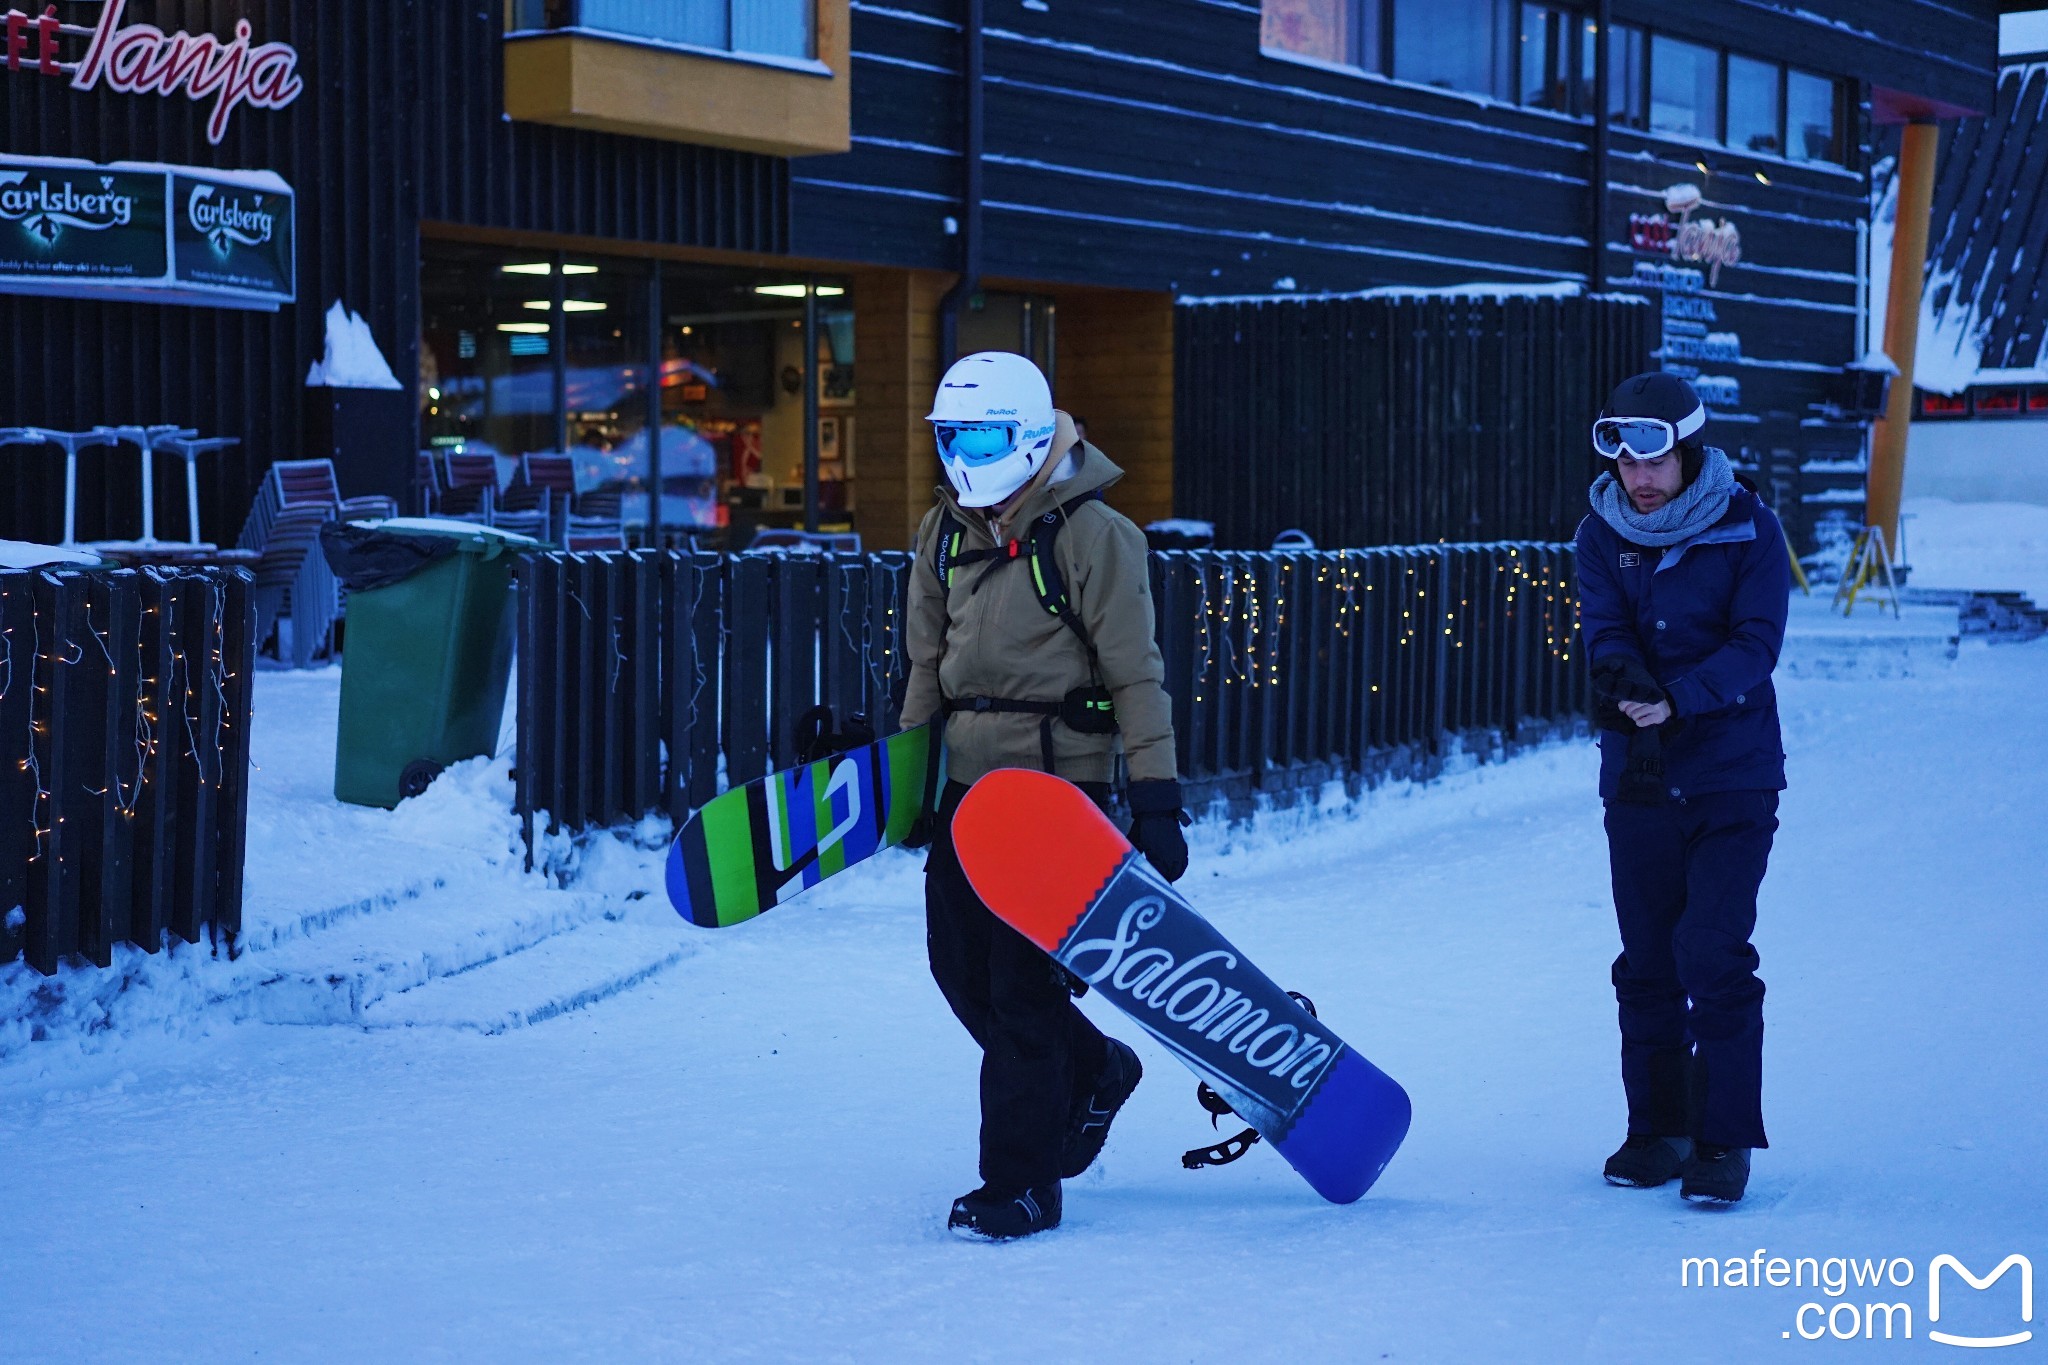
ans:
x=975 y=443
x=1641 y=438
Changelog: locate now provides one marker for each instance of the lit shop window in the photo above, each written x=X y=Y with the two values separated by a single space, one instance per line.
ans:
x=759 y=28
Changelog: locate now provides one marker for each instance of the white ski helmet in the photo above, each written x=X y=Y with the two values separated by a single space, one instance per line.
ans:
x=994 y=423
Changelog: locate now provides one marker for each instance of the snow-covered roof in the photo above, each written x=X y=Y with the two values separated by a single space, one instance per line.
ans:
x=1985 y=315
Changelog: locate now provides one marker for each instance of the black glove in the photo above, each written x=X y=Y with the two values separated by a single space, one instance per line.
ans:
x=920 y=835
x=1620 y=679
x=1156 y=820
x=1617 y=679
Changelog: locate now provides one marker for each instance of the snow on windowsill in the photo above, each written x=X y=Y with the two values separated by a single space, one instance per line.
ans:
x=1563 y=289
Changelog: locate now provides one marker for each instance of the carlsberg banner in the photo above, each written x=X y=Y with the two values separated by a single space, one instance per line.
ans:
x=227 y=234
x=146 y=233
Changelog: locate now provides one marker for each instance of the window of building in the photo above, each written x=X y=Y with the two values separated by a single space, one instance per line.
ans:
x=1754 y=107
x=516 y=360
x=1323 y=29
x=1685 y=88
x=1548 y=48
x=1943 y=405
x=1628 y=77
x=1813 y=122
x=1456 y=44
x=1543 y=56
x=765 y=28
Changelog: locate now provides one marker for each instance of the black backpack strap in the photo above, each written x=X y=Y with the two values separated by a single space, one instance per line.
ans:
x=1046 y=579
x=946 y=550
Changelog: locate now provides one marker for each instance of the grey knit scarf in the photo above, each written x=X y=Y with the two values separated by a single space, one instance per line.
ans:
x=1704 y=502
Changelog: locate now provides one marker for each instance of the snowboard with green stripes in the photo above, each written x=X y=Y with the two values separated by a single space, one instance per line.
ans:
x=757 y=846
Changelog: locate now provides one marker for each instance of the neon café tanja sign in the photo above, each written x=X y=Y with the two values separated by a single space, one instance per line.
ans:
x=141 y=59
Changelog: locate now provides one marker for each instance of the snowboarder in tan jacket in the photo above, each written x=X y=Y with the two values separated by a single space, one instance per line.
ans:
x=1031 y=640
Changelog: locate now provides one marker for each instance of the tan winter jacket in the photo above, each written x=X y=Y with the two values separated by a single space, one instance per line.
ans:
x=1002 y=643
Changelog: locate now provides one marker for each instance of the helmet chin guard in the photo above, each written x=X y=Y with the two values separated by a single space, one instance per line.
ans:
x=994 y=424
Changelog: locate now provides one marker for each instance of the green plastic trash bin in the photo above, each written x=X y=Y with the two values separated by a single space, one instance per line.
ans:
x=427 y=653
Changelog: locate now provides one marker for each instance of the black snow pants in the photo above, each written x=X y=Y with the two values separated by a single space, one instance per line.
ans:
x=1037 y=1050
x=1686 y=874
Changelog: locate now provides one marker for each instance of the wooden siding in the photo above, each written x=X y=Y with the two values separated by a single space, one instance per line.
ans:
x=895 y=320
x=584 y=80
x=1116 y=370
x=1152 y=147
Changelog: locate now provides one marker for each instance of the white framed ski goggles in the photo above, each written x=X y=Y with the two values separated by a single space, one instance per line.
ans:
x=975 y=443
x=1644 y=438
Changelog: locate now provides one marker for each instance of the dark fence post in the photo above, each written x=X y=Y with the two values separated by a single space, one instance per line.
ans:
x=17 y=788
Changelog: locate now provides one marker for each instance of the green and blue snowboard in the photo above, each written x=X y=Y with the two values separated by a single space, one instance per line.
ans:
x=756 y=846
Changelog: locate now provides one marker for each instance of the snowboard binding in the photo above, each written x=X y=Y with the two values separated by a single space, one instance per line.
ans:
x=1230 y=1149
x=818 y=738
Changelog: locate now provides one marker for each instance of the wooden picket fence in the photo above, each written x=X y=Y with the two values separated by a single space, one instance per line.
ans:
x=650 y=681
x=125 y=696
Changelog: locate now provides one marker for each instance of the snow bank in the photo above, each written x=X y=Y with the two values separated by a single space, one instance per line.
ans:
x=1985 y=546
x=352 y=360
x=22 y=554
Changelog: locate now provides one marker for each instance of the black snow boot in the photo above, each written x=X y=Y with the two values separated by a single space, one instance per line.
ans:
x=987 y=1215
x=1088 y=1124
x=1646 y=1160
x=1716 y=1175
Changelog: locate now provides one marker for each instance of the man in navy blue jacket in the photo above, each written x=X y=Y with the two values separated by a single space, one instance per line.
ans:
x=1683 y=584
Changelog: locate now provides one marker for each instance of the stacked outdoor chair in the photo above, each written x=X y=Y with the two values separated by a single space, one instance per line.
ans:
x=544 y=489
x=538 y=501
x=596 y=522
x=426 y=484
x=469 y=486
x=296 y=499
x=326 y=601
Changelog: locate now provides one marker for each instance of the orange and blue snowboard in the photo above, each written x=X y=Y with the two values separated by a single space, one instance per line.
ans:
x=1044 y=859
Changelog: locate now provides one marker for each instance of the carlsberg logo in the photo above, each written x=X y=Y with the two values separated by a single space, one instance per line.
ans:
x=226 y=221
x=46 y=208
x=1226 y=1018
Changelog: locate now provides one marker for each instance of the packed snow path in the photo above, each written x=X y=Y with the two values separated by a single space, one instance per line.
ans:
x=748 y=1153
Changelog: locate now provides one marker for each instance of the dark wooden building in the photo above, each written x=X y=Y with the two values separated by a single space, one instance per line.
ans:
x=719 y=245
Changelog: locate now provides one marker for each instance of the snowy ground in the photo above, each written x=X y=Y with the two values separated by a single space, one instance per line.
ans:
x=1994 y=545
x=615 y=1137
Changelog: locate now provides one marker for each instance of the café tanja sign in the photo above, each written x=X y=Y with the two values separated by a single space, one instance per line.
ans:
x=141 y=59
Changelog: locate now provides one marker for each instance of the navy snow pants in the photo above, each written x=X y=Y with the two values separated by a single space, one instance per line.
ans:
x=1686 y=875
x=1037 y=1049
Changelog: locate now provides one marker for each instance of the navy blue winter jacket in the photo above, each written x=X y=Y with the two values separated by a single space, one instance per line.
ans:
x=1707 y=618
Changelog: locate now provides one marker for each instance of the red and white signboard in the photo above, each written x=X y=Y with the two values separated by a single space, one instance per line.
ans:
x=141 y=59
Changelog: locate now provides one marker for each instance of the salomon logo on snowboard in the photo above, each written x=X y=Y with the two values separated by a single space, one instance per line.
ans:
x=1228 y=1025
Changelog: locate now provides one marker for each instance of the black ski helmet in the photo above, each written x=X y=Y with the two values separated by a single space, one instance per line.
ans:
x=1665 y=396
